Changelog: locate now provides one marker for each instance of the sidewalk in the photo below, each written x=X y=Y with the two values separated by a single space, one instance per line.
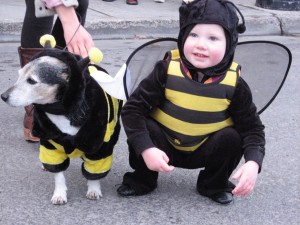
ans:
x=117 y=20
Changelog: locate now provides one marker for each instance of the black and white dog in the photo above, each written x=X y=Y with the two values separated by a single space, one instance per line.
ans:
x=73 y=117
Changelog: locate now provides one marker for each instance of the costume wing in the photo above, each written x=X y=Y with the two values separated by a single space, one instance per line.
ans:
x=142 y=61
x=265 y=66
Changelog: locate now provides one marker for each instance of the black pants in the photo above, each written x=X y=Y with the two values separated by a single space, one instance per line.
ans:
x=219 y=156
x=33 y=27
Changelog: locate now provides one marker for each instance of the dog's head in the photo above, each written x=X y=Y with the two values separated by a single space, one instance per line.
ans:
x=52 y=75
x=39 y=82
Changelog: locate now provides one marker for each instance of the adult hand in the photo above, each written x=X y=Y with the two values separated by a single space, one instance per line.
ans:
x=156 y=160
x=82 y=40
x=247 y=175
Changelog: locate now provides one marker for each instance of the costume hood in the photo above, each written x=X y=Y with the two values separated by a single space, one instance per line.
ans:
x=223 y=13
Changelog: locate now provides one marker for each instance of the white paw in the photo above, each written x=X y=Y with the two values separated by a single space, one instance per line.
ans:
x=94 y=190
x=59 y=198
x=60 y=192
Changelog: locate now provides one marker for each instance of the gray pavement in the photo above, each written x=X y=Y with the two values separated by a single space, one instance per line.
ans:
x=117 y=20
x=25 y=190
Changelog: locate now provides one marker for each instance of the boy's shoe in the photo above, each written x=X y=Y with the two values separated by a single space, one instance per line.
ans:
x=132 y=2
x=223 y=198
x=126 y=191
x=160 y=1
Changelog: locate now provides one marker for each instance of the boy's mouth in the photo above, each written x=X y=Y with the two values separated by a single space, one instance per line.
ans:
x=199 y=55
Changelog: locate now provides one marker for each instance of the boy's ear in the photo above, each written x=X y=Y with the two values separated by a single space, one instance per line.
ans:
x=241 y=28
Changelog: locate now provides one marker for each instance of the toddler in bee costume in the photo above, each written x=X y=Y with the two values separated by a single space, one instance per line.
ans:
x=195 y=110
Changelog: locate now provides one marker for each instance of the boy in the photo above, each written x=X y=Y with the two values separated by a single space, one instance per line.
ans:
x=195 y=111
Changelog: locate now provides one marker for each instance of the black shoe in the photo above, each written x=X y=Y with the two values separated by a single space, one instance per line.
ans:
x=126 y=191
x=223 y=198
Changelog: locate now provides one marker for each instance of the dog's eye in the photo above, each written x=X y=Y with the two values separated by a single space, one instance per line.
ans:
x=31 y=81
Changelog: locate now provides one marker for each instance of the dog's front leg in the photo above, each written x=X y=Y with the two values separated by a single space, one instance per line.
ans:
x=60 y=192
x=94 y=189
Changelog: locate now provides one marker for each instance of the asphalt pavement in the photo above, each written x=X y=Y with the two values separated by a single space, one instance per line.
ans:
x=118 y=29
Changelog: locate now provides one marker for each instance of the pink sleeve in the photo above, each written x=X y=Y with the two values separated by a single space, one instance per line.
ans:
x=52 y=3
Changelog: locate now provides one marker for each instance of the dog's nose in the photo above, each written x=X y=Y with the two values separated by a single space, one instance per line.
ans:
x=4 y=96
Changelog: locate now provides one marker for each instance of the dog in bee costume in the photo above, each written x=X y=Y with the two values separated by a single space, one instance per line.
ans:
x=73 y=117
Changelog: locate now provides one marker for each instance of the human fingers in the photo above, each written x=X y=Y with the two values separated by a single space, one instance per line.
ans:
x=83 y=51
x=237 y=174
x=244 y=187
x=166 y=168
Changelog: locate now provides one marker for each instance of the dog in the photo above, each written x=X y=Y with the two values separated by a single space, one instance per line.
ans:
x=73 y=117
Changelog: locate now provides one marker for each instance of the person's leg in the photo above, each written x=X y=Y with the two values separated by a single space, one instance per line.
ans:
x=33 y=28
x=58 y=32
x=222 y=153
x=143 y=180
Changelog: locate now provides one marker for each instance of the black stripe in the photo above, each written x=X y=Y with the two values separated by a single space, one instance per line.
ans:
x=192 y=116
x=214 y=90
x=185 y=140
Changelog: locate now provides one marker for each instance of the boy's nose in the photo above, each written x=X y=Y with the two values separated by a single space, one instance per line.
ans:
x=201 y=44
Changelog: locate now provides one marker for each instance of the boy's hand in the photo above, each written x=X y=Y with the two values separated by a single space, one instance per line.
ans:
x=247 y=175
x=156 y=160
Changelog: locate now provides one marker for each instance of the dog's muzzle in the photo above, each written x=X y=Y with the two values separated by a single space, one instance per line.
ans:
x=4 y=96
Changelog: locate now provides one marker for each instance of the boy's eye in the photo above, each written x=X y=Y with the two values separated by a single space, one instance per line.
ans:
x=193 y=34
x=213 y=38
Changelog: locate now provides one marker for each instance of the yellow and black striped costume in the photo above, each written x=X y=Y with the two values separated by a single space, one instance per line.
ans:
x=194 y=110
x=55 y=154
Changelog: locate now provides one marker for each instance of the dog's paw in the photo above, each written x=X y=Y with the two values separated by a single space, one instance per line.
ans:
x=59 y=198
x=94 y=190
x=93 y=195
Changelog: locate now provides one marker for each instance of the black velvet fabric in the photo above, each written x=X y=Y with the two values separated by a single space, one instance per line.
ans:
x=209 y=12
x=83 y=102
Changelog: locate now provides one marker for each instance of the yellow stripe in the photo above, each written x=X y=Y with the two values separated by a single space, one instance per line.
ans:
x=186 y=128
x=234 y=66
x=194 y=102
x=98 y=166
x=110 y=128
x=52 y=157
x=174 y=69
x=56 y=145
x=190 y=148
x=175 y=54
x=229 y=79
x=76 y=153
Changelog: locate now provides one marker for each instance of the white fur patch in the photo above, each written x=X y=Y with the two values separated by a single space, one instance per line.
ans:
x=60 y=192
x=63 y=124
x=94 y=190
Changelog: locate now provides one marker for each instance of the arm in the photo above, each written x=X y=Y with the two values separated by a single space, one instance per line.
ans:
x=148 y=95
x=65 y=10
x=248 y=124
x=82 y=40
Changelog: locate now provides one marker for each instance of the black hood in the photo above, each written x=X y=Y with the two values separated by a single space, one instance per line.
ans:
x=218 y=12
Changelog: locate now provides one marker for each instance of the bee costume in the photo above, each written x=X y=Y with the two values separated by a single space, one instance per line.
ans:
x=205 y=123
x=89 y=108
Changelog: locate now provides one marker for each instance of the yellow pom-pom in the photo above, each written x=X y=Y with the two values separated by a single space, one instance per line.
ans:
x=48 y=38
x=92 y=69
x=95 y=55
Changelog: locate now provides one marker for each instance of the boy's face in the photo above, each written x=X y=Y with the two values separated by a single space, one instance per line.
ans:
x=205 y=45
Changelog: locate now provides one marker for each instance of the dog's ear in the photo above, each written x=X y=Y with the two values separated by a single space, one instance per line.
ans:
x=95 y=56
x=65 y=76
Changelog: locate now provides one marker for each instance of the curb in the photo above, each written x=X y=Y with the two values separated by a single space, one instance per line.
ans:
x=266 y=23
